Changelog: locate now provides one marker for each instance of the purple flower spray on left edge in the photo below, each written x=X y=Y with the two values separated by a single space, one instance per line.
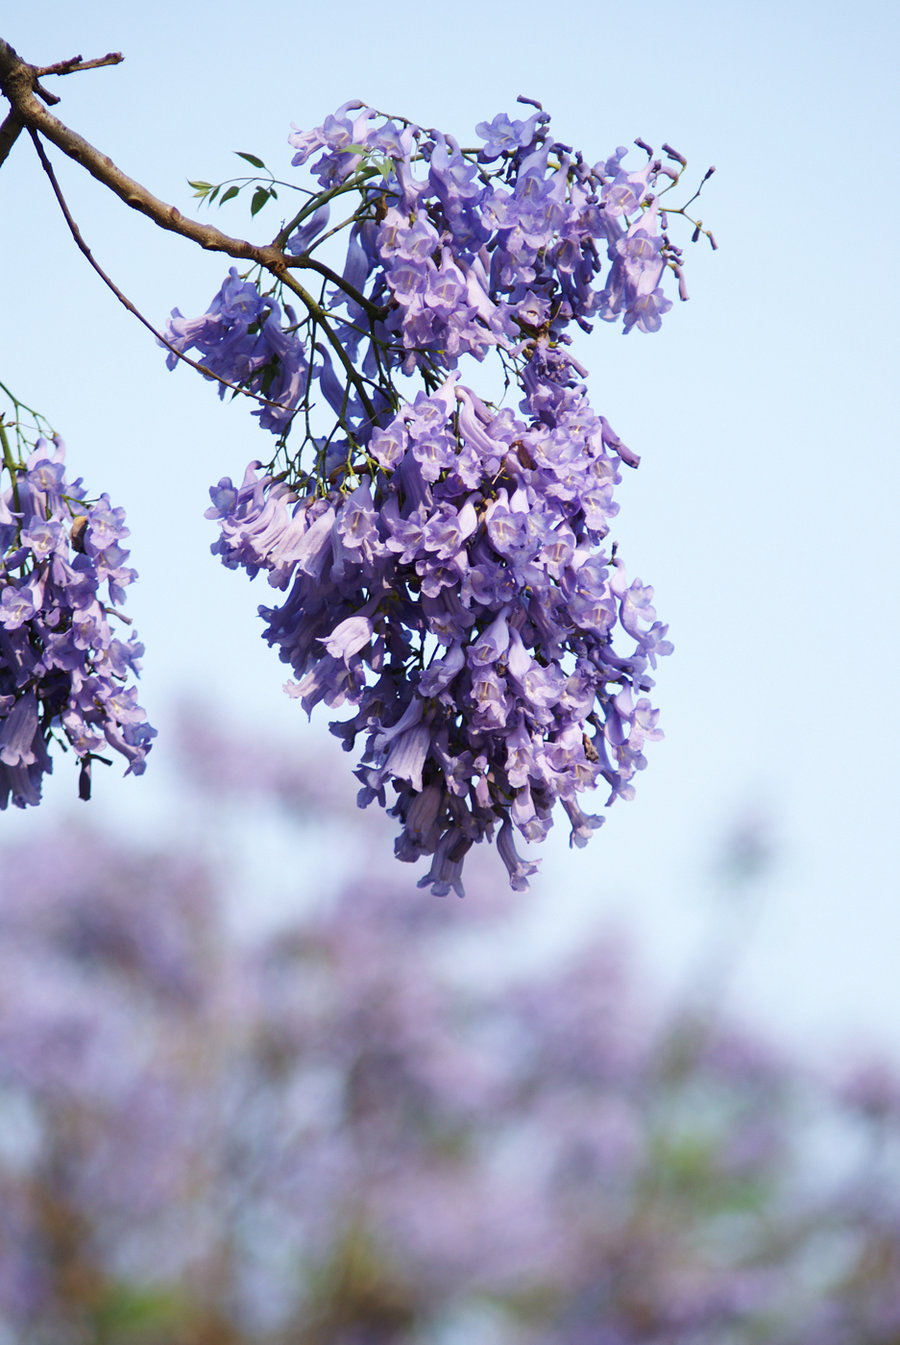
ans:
x=64 y=672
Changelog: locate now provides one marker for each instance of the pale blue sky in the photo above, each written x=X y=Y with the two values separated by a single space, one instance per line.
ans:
x=765 y=412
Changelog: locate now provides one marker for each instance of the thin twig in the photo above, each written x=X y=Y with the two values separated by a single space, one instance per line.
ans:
x=76 y=63
x=313 y=264
x=318 y=312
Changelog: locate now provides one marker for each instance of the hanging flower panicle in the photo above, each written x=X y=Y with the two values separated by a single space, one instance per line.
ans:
x=445 y=557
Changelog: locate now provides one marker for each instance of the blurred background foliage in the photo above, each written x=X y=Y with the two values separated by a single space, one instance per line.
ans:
x=226 y=1118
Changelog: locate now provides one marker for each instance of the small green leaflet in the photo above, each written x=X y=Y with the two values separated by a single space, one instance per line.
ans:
x=260 y=196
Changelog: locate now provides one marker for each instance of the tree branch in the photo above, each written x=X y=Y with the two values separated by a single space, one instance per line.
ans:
x=17 y=82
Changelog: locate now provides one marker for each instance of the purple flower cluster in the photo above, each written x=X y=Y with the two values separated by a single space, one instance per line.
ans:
x=241 y=340
x=462 y=604
x=63 y=671
x=471 y=256
x=445 y=556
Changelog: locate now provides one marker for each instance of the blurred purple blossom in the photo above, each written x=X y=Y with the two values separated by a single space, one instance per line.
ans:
x=328 y=1133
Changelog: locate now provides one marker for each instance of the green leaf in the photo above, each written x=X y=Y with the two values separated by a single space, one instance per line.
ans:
x=251 y=158
x=200 y=188
x=260 y=196
x=213 y=194
x=229 y=194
